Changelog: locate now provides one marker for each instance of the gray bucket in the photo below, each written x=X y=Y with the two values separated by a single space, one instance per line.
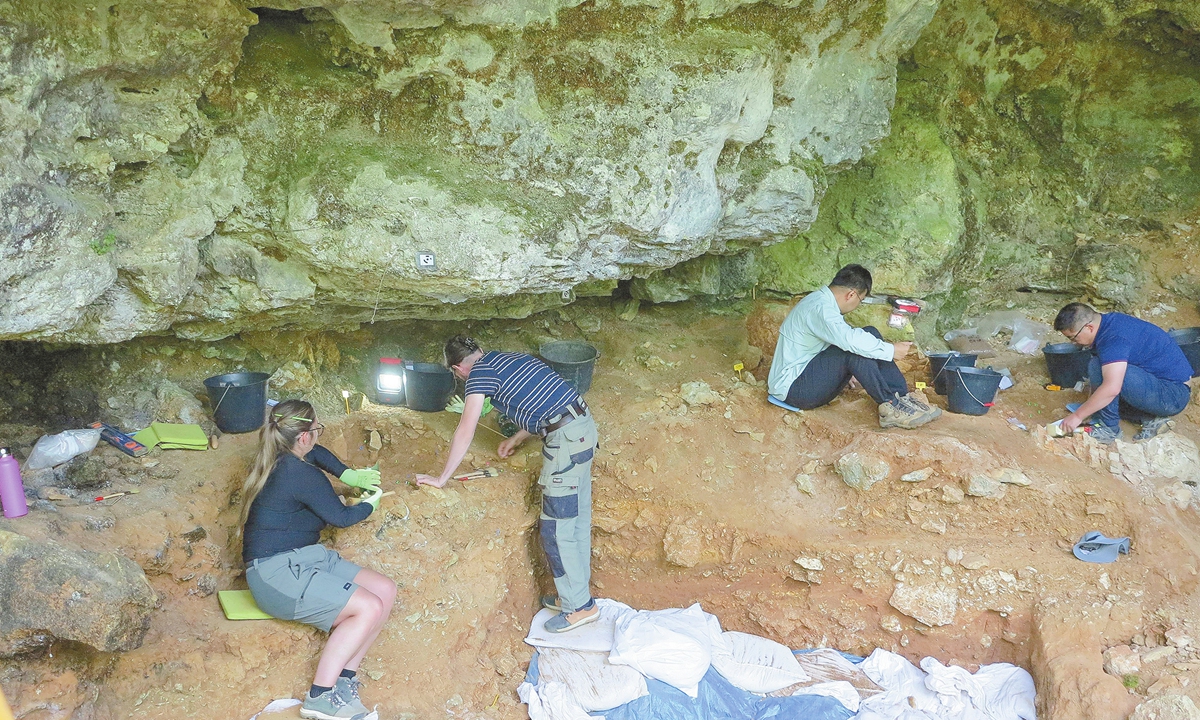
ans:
x=573 y=360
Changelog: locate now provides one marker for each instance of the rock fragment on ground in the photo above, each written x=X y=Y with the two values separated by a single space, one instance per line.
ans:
x=982 y=485
x=917 y=476
x=1121 y=660
x=861 y=471
x=699 y=393
x=682 y=544
x=933 y=604
x=1167 y=707
x=952 y=495
x=804 y=483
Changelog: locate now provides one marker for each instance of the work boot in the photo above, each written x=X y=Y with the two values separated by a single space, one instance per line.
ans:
x=898 y=413
x=330 y=705
x=564 y=621
x=1104 y=434
x=1152 y=427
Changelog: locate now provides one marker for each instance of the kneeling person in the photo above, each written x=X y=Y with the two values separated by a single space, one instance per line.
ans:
x=818 y=353
x=1137 y=372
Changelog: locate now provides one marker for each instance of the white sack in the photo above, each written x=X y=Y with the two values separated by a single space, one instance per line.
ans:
x=673 y=646
x=551 y=701
x=593 y=637
x=755 y=663
x=997 y=692
x=595 y=683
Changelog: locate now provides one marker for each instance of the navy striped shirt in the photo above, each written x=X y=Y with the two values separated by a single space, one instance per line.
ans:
x=522 y=387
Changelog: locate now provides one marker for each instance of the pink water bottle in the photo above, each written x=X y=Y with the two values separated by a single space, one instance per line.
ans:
x=12 y=490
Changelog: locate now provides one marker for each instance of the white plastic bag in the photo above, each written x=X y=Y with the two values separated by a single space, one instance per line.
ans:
x=674 y=646
x=756 y=664
x=52 y=450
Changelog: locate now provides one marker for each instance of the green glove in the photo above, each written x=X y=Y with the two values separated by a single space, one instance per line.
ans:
x=372 y=498
x=366 y=478
x=457 y=405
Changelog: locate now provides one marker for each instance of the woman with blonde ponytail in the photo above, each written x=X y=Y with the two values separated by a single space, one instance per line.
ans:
x=287 y=501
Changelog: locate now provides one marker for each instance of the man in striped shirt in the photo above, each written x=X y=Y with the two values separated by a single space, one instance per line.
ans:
x=540 y=403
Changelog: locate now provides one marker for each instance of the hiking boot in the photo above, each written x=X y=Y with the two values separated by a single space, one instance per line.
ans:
x=1152 y=427
x=1104 y=434
x=331 y=705
x=551 y=602
x=898 y=413
x=564 y=621
x=921 y=405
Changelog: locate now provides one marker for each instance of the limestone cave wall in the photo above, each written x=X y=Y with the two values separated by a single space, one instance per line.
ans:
x=202 y=169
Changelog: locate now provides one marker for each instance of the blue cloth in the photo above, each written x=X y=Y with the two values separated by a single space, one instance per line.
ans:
x=522 y=387
x=1094 y=547
x=718 y=699
x=295 y=504
x=1143 y=396
x=1123 y=338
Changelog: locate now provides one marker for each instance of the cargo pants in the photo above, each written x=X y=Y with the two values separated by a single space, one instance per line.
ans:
x=566 y=519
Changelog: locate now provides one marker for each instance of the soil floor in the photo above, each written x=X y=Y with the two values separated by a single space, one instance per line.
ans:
x=695 y=503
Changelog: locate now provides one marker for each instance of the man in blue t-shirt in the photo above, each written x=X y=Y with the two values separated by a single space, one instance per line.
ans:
x=1137 y=372
x=541 y=403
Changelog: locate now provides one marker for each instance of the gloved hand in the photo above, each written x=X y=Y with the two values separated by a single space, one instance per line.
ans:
x=457 y=405
x=372 y=498
x=366 y=478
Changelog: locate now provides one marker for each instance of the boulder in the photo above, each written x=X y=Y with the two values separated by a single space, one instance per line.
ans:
x=49 y=590
x=861 y=471
x=933 y=604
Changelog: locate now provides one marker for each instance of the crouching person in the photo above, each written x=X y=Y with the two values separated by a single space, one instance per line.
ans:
x=287 y=501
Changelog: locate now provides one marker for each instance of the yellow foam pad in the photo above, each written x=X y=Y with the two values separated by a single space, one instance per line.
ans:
x=240 y=605
x=173 y=436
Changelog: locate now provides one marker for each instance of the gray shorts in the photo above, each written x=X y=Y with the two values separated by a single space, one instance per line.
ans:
x=311 y=585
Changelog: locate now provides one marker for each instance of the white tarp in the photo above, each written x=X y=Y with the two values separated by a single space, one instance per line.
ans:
x=934 y=691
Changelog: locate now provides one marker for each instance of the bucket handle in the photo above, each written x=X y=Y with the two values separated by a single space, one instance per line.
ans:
x=945 y=365
x=218 y=407
x=958 y=372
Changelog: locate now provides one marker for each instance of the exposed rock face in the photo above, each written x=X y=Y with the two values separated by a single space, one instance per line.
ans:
x=861 y=471
x=199 y=168
x=50 y=591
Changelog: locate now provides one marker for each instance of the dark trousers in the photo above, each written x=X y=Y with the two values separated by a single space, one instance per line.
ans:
x=1143 y=396
x=830 y=371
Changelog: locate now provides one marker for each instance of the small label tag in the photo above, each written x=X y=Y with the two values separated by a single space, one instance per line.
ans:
x=737 y=367
x=920 y=385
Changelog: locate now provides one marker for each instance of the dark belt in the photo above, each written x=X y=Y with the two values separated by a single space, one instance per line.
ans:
x=569 y=414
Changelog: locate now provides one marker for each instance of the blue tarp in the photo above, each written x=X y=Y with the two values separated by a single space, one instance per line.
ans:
x=718 y=699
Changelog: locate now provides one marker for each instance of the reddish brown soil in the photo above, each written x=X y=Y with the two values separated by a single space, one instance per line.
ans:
x=466 y=560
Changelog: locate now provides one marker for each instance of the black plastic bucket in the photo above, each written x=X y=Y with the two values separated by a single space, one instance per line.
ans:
x=1067 y=363
x=573 y=360
x=972 y=390
x=1189 y=343
x=239 y=400
x=427 y=387
x=940 y=365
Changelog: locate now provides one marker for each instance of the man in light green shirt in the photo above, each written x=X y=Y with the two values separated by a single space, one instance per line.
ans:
x=818 y=353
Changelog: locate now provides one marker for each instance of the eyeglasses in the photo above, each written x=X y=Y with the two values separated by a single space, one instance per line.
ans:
x=317 y=429
x=1072 y=337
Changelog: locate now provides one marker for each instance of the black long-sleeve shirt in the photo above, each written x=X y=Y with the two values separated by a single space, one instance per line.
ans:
x=295 y=504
